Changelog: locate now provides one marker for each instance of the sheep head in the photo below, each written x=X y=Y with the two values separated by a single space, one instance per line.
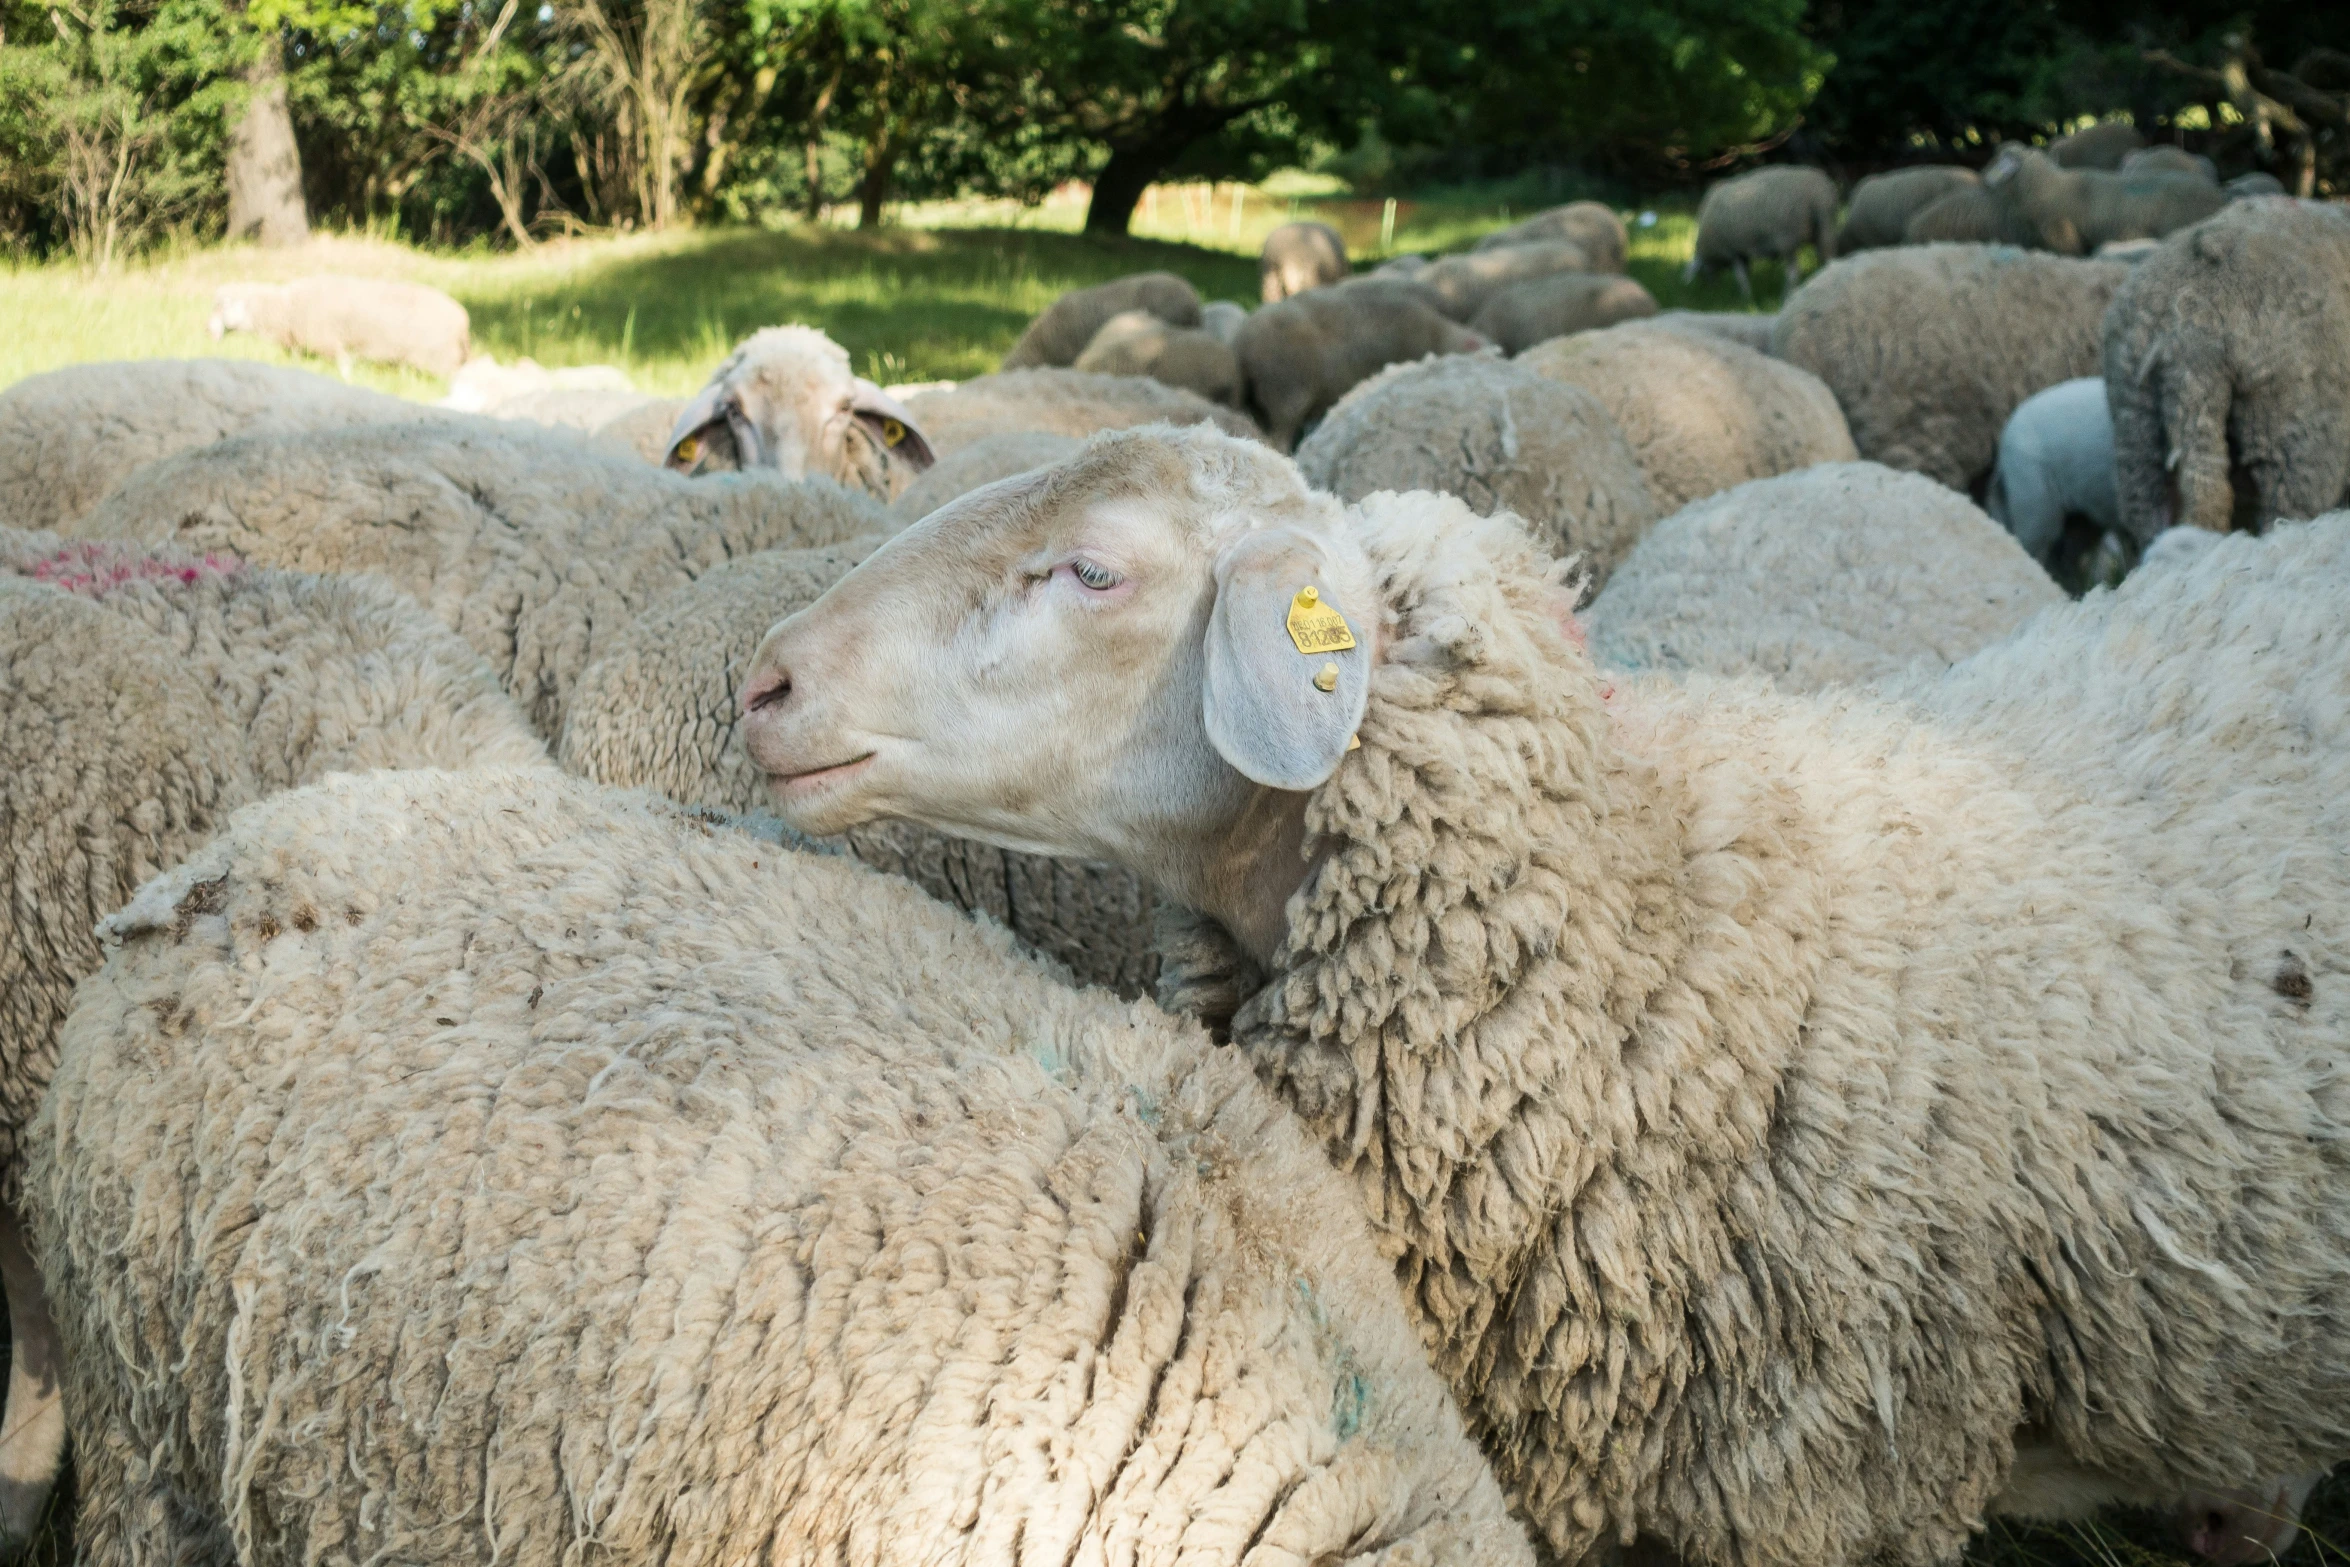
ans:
x=786 y=400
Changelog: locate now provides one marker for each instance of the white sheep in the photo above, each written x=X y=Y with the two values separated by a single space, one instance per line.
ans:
x=1769 y=213
x=1883 y=204
x=1747 y=328
x=786 y=399
x=1302 y=355
x=1192 y=358
x=1590 y=226
x=344 y=318
x=1542 y=308
x=1299 y=256
x=1802 y=1124
x=2076 y=211
x=1465 y=284
x=1060 y=332
x=483 y=385
x=2055 y=461
x=486 y=1166
x=984 y=461
x=1054 y=401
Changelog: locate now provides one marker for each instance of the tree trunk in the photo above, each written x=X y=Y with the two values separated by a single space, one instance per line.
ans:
x=1120 y=185
x=814 y=147
x=881 y=161
x=264 y=165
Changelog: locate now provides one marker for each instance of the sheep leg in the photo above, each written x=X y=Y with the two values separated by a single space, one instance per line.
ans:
x=2195 y=453
x=1745 y=284
x=32 y=1428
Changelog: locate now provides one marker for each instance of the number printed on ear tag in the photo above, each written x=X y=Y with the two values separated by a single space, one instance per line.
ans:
x=1315 y=627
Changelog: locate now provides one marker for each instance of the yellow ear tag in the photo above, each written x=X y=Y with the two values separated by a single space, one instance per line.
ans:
x=688 y=449
x=1315 y=627
x=892 y=432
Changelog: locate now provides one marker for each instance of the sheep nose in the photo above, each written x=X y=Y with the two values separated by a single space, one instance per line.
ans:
x=769 y=689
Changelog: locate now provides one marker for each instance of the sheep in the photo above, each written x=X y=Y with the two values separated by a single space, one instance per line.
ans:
x=1222 y=320
x=2245 y=187
x=1800 y=1123
x=2100 y=146
x=1059 y=334
x=1464 y=284
x=69 y=436
x=642 y=431
x=1542 y=308
x=343 y=318
x=1883 y=204
x=586 y=409
x=2074 y=211
x=1929 y=349
x=534 y=548
x=1700 y=413
x=1970 y=215
x=1840 y=574
x=1746 y=328
x=1590 y=226
x=786 y=399
x=659 y=709
x=2055 y=461
x=982 y=462
x=1771 y=212
x=1299 y=256
x=482 y=385
x=1055 y=401
x=487 y=1166
x=2166 y=159
x=148 y=695
x=1502 y=437
x=1139 y=343
x=1302 y=355
x=2229 y=351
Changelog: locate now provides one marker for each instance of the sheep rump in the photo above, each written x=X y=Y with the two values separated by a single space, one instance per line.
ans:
x=381 y=319
x=1565 y=302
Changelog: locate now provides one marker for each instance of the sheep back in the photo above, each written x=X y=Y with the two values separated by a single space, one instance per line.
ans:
x=1546 y=307
x=1771 y=212
x=984 y=461
x=382 y=319
x=1590 y=226
x=1136 y=342
x=1970 y=215
x=1056 y=401
x=1883 y=204
x=643 y=430
x=1302 y=355
x=1464 y=284
x=1061 y=331
x=1746 y=328
x=1299 y=256
x=2099 y=146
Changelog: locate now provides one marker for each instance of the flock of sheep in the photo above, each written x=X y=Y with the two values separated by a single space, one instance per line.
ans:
x=1702 y=1003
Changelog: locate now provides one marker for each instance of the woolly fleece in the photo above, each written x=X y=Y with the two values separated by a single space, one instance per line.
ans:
x=1546 y=307
x=1139 y=343
x=984 y=461
x=1299 y=256
x=1063 y=328
x=1060 y=402
x=1590 y=226
x=1302 y=355
x=1883 y=204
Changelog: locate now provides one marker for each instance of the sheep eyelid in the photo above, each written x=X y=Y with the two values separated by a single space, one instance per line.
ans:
x=1085 y=570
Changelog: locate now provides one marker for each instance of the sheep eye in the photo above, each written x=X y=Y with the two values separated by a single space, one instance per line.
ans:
x=892 y=432
x=1098 y=578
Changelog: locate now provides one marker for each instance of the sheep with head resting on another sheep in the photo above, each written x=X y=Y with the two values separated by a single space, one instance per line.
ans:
x=786 y=399
x=1463 y=285
x=1542 y=308
x=342 y=318
x=1929 y=349
x=488 y=1167
x=1883 y=204
x=1767 y=213
x=1801 y=1124
x=2076 y=211
x=1700 y=412
x=146 y=696
x=1839 y=574
x=1590 y=226
x=2228 y=352
x=1061 y=331
x=1302 y=355
x=1139 y=343
x=660 y=710
x=1299 y=256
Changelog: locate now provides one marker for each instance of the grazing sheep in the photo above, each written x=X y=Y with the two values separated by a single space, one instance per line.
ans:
x=1055 y=401
x=515 y=1165
x=2229 y=351
x=1222 y=320
x=1928 y=350
x=1302 y=355
x=1590 y=226
x=533 y=547
x=1060 y=333
x=1771 y=212
x=1463 y=284
x=68 y=437
x=146 y=696
x=2167 y=159
x=659 y=710
x=1299 y=256
x=1970 y=215
x=786 y=399
x=1802 y=1124
x=1542 y=308
x=1139 y=343
x=1841 y=574
x=2055 y=461
x=2074 y=211
x=1746 y=328
x=2100 y=146
x=1499 y=435
x=341 y=318
x=982 y=462
x=1700 y=412
x=1883 y=204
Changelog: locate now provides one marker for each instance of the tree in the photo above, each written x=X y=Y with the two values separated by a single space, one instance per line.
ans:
x=264 y=165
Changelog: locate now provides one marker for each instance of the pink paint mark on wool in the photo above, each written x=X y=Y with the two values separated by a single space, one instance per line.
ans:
x=96 y=568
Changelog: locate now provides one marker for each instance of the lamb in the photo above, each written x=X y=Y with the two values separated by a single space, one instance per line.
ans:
x=1590 y=226
x=1841 y=574
x=1463 y=285
x=2074 y=211
x=1540 y=309
x=1139 y=343
x=147 y=695
x=2055 y=461
x=1502 y=437
x=982 y=462
x=1883 y=204
x=2229 y=351
x=1928 y=350
x=1801 y=1124
x=1059 y=334
x=1302 y=355
x=68 y=437
x=640 y=1184
x=1771 y=212
x=659 y=711
x=1299 y=256
x=786 y=399
x=343 y=318
x=1060 y=402
x=533 y=547
x=1700 y=412
x=2100 y=146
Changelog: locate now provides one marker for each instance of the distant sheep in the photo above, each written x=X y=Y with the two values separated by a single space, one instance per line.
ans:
x=1054 y=401
x=2245 y=187
x=2055 y=461
x=1139 y=343
x=1769 y=213
x=1299 y=256
x=984 y=461
x=1464 y=284
x=1590 y=226
x=1302 y=355
x=1883 y=204
x=1542 y=308
x=1060 y=333
x=2074 y=211
x=786 y=399
x=1970 y=215
x=2167 y=159
x=2100 y=146
x=340 y=318
x=1222 y=320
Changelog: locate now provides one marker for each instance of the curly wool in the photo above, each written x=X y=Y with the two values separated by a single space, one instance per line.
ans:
x=468 y=1167
x=533 y=548
x=660 y=710
x=1061 y=402
x=1775 y=1104
x=1836 y=575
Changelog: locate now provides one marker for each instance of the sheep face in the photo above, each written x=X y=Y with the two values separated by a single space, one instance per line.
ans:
x=786 y=400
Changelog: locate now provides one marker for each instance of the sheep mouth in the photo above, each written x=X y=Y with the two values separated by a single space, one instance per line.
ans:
x=798 y=786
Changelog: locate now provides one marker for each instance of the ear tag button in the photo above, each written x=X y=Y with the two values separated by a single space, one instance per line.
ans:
x=1326 y=678
x=1317 y=628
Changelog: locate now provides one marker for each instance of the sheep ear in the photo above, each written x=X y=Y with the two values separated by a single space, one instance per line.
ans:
x=1288 y=663
x=689 y=437
x=891 y=425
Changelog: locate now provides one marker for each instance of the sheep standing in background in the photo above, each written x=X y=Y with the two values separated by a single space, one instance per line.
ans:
x=515 y=1165
x=659 y=710
x=1841 y=574
x=984 y=461
x=2055 y=461
x=351 y=318
x=1883 y=204
x=1055 y=401
x=1139 y=343
x=1499 y=435
x=2100 y=146
x=786 y=399
x=1803 y=1125
x=1059 y=334
x=2229 y=350
x=1462 y=285
x=1302 y=355
x=1701 y=413
x=1764 y=213
x=1970 y=215
x=1542 y=308
x=1928 y=350
x=2074 y=211
x=1299 y=256
x=1590 y=226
